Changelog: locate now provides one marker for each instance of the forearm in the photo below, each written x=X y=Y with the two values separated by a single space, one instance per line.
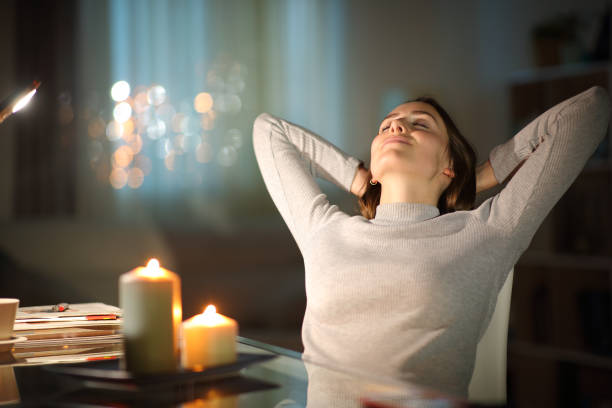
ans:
x=322 y=158
x=544 y=158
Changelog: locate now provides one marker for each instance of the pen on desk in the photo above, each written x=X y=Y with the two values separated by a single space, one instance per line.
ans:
x=67 y=319
x=60 y=307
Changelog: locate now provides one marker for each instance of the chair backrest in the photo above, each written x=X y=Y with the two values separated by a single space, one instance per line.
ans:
x=488 y=384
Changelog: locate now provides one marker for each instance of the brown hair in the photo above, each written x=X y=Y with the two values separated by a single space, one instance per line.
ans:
x=461 y=192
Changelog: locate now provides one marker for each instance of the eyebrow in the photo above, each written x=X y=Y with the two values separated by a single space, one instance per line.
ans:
x=417 y=112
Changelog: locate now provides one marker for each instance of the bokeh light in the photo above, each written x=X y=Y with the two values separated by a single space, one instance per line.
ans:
x=120 y=91
x=156 y=95
x=135 y=177
x=122 y=157
x=122 y=112
x=118 y=178
x=127 y=128
x=203 y=102
x=146 y=127
x=114 y=130
x=156 y=129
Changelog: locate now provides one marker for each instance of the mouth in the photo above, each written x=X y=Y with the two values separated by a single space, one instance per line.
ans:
x=398 y=139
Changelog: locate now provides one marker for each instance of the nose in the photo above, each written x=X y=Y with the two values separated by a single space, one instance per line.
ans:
x=397 y=127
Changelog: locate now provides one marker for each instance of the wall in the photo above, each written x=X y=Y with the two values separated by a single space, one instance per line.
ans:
x=7 y=26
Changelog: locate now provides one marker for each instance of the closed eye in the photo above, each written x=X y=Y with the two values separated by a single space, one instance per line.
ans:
x=422 y=124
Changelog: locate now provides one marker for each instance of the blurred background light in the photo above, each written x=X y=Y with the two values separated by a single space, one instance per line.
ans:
x=118 y=178
x=114 y=130
x=122 y=112
x=120 y=91
x=135 y=177
x=156 y=95
x=203 y=102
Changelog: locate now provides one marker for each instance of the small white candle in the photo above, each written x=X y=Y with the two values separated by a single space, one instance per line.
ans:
x=208 y=339
x=150 y=299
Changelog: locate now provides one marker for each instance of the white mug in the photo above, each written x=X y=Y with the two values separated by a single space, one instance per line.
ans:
x=8 y=311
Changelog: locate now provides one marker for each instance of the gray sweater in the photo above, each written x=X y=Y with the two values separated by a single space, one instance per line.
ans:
x=409 y=293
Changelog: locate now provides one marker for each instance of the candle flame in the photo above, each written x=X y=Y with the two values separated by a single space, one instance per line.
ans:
x=152 y=270
x=153 y=264
x=210 y=317
x=210 y=310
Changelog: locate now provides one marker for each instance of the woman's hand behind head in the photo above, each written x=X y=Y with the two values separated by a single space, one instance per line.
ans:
x=362 y=177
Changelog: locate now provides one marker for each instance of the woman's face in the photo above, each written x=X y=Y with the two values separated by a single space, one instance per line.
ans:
x=411 y=140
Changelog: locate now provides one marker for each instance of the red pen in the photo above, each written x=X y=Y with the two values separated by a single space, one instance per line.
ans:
x=60 y=307
x=68 y=318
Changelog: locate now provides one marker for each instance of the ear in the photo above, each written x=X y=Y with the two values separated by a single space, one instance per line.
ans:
x=448 y=172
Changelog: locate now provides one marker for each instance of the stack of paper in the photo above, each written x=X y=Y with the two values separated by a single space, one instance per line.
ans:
x=82 y=325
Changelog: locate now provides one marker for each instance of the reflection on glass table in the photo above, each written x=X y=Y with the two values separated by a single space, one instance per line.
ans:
x=273 y=377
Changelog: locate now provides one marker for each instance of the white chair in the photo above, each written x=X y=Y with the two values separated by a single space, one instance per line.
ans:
x=488 y=384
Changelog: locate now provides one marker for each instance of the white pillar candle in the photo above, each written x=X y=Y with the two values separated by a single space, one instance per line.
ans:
x=208 y=339
x=150 y=299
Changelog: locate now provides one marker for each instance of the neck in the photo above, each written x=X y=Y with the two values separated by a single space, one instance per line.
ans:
x=403 y=190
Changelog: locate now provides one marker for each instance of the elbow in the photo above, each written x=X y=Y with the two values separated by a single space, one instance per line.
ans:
x=262 y=126
x=263 y=120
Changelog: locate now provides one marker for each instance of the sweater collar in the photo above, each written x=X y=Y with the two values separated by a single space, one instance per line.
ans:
x=404 y=212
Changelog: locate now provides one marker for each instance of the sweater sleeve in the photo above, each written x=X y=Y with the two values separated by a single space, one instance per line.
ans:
x=289 y=158
x=556 y=146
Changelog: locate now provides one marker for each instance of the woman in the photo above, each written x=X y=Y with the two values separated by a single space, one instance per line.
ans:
x=407 y=289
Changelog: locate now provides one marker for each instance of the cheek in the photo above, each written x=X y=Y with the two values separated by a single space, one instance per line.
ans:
x=374 y=147
x=436 y=148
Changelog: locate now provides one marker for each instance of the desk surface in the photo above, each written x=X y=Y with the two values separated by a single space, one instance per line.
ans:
x=285 y=381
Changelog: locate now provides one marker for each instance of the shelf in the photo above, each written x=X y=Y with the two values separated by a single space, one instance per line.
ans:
x=522 y=348
x=540 y=258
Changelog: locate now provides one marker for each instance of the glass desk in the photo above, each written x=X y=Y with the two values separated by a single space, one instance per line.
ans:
x=283 y=381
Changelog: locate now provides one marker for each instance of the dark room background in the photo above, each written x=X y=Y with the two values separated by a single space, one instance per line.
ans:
x=99 y=175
